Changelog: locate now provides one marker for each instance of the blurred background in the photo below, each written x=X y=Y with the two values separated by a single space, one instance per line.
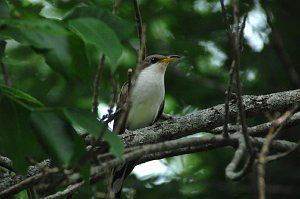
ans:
x=46 y=58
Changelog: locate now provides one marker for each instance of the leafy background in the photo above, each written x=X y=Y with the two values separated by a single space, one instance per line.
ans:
x=51 y=49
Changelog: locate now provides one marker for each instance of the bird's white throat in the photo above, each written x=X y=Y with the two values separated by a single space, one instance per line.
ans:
x=147 y=96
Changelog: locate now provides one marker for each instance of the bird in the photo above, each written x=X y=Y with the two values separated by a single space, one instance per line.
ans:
x=145 y=106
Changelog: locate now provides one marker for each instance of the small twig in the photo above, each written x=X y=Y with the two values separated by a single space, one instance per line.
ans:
x=281 y=155
x=227 y=98
x=141 y=35
x=97 y=84
x=238 y=155
x=140 y=28
x=116 y=7
x=6 y=78
x=262 y=160
x=231 y=72
x=225 y=17
x=68 y=191
x=114 y=91
x=261 y=129
x=236 y=42
x=281 y=50
x=235 y=39
x=30 y=193
x=237 y=47
x=241 y=32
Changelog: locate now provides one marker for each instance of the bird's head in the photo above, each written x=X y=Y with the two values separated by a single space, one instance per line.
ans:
x=158 y=62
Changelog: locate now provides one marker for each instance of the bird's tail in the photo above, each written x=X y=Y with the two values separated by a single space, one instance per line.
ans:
x=117 y=177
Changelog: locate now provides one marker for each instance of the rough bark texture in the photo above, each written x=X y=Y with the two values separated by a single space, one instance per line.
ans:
x=207 y=119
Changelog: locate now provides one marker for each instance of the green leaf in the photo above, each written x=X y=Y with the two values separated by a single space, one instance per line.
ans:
x=55 y=135
x=84 y=119
x=122 y=28
x=88 y=121
x=95 y=32
x=78 y=152
x=17 y=139
x=115 y=142
x=63 y=51
x=15 y=93
x=40 y=33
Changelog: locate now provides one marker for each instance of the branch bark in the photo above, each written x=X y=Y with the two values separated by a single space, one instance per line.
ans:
x=210 y=118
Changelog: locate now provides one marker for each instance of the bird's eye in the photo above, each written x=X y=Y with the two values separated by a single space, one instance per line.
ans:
x=153 y=60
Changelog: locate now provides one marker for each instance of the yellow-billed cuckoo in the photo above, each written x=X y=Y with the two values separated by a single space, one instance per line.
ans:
x=146 y=103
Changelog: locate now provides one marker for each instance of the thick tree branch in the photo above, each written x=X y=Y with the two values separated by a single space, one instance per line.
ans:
x=26 y=183
x=6 y=163
x=185 y=146
x=207 y=119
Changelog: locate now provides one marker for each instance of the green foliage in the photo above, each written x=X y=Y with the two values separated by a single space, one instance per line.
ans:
x=117 y=146
x=87 y=121
x=95 y=32
x=17 y=138
x=4 y=10
x=51 y=50
x=120 y=26
x=18 y=95
x=54 y=41
x=36 y=42
x=84 y=119
x=55 y=135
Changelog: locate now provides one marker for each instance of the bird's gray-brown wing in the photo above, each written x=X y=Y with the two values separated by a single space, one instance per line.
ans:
x=160 y=111
x=120 y=118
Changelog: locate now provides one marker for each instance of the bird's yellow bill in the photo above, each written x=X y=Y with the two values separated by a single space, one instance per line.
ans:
x=168 y=59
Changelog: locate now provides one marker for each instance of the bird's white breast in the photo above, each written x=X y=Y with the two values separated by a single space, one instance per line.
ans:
x=146 y=97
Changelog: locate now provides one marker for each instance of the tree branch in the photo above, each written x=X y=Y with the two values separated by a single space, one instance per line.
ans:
x=26 y=183
x=238 y=155
x=261 y=129
x=7 y=80
x=69 y=190
x=262 y=160
x=183 y=146
x=6 y=163
x=281 y=51
x=97 y=84
x=141 y=35
x=237 y=47
x=207 y=119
